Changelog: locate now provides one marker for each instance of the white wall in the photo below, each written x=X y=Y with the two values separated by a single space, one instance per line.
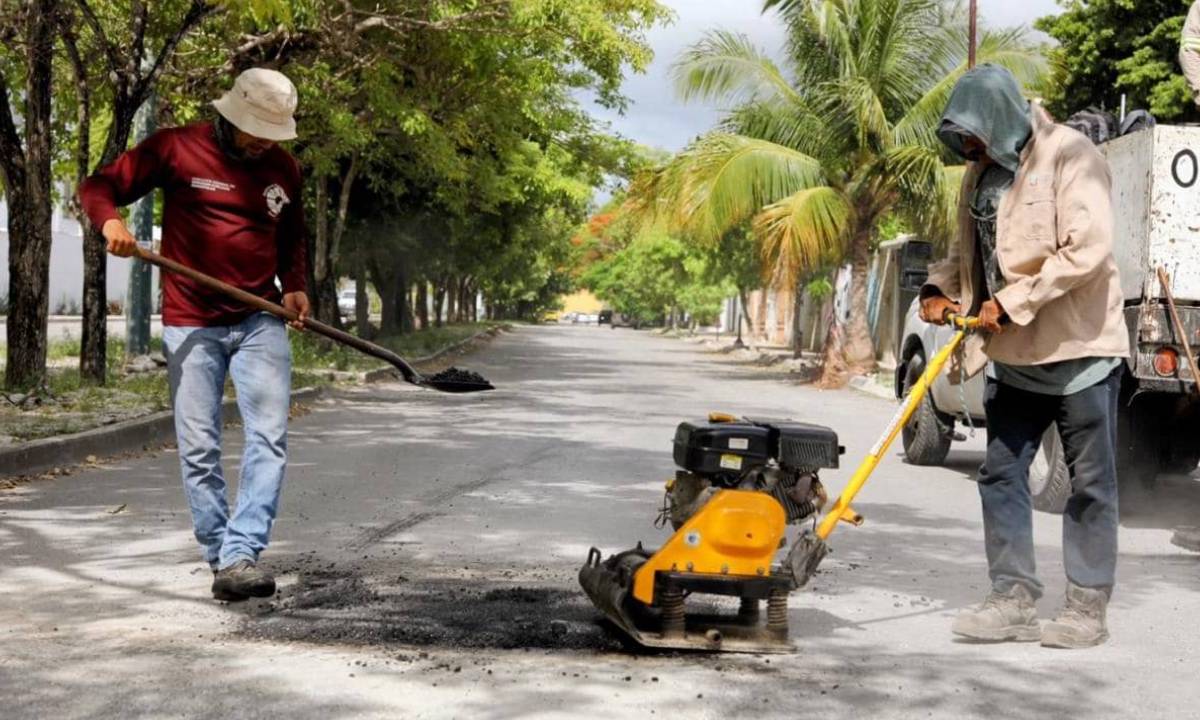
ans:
x=66 y=263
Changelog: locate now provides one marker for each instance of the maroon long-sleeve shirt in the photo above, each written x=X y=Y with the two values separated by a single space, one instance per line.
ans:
x=240 y=221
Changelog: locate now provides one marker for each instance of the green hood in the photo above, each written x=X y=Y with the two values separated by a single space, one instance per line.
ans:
x=987 y=103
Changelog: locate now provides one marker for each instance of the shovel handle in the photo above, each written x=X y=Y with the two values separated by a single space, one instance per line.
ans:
x=279 y=311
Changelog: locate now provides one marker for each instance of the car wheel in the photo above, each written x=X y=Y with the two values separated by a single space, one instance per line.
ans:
x=928 y=435
x=1049 y=478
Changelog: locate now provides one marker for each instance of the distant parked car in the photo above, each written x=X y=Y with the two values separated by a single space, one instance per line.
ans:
x=623 y=320
x=551 y=316
x=346 y=302
x=928 y=436
x=605 y=317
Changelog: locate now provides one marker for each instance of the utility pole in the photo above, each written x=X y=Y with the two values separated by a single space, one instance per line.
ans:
x=137 y=300
x=973 y=28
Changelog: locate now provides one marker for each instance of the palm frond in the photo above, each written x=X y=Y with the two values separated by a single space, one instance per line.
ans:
x=725 y=179
x=792 y=125
x=727 y=67
x=803 y=231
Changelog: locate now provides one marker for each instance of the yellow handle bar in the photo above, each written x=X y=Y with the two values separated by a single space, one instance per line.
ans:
x=841 y=509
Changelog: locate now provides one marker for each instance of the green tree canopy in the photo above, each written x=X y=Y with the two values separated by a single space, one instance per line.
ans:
x=1107 y=48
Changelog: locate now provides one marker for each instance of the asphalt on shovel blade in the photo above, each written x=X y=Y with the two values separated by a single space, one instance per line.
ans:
x=454 y=380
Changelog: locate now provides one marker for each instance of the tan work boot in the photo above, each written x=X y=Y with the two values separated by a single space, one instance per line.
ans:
x=1081 y=623
x=1003 y=616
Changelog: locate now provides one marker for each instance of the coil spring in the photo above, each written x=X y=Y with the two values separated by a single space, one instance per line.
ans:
x=777 y=617
x=673 y=617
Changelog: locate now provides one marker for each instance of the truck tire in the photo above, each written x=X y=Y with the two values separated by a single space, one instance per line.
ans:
x=1049 y=478
x=928 y=435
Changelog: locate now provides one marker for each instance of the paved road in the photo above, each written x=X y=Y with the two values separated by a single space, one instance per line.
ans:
x=428 y=547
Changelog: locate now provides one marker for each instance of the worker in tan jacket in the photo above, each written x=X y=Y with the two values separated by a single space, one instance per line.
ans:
x=1033 y=259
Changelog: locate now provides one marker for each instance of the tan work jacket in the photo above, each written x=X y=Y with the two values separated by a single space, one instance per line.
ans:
x=1189 y=49
x=1054 y=239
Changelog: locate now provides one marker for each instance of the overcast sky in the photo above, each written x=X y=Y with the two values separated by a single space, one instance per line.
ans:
x=656 y=117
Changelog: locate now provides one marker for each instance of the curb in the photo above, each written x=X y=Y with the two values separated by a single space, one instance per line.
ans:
x=138 y=434
x=868 y=386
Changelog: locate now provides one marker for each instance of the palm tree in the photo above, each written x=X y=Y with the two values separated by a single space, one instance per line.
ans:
x=819 y=151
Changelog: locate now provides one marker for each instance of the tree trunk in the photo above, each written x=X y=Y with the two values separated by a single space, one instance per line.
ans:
x=461 y=290
x=403 y=304
x=30 y=207
x=860 y=349
x=327 y=245
x=797 y=325
x=834 y=373
x=383 y=277
x=324 y=297
x=362 y=301
x=451 y=300
x=849 y=350
x=93 y=355
x=439 y=302
x=423 y=304
x=744 y=321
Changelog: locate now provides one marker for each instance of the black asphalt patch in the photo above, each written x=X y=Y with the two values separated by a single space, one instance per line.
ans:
x=346 y=609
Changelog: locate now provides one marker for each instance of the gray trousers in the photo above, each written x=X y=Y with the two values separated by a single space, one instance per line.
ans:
x=1087 y=423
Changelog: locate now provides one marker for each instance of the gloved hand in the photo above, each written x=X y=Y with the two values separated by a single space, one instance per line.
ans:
x=935 y=307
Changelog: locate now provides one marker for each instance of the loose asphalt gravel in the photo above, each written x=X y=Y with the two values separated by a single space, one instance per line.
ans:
x=428 y=545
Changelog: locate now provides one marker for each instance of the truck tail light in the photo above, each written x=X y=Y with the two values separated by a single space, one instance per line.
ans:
x=1166 y=362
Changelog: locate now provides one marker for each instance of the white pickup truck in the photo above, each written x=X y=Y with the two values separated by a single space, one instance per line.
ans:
x=1156 y=197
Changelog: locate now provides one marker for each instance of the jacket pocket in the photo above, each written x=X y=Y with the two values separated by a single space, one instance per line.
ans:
x=1038 y=214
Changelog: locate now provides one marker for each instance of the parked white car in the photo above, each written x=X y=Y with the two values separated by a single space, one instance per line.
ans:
x=345 y=302
x=934 y=427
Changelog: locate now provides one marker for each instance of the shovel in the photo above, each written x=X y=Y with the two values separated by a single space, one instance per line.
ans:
x=810 y=548
x=450 y=381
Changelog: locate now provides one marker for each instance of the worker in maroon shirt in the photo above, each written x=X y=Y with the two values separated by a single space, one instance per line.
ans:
x=231 y=209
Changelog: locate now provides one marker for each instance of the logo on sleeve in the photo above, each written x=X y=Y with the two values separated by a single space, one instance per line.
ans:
x=276 y=199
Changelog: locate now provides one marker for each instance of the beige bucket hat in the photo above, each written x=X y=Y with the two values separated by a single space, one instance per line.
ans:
x=261 y=103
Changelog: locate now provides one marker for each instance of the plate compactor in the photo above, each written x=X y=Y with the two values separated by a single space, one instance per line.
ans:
x=740 y=483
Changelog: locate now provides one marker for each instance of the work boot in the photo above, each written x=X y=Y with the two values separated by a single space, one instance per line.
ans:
x=242 y=580
x=1009 y=615
x=1187 y=538
x=1081 y=622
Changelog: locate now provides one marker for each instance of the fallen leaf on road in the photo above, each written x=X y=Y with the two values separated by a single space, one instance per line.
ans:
x=117 y=509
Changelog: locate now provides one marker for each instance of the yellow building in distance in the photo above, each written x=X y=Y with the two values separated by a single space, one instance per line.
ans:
x=581 y=302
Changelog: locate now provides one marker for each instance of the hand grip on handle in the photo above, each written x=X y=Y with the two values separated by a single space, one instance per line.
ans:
x=961 y=321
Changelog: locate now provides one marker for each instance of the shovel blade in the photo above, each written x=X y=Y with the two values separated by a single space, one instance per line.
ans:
x=453 y=380
x=451 y=386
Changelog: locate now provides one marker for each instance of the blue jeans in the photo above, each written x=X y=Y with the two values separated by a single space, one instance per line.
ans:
x=1087 y=424
x=255 y=353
